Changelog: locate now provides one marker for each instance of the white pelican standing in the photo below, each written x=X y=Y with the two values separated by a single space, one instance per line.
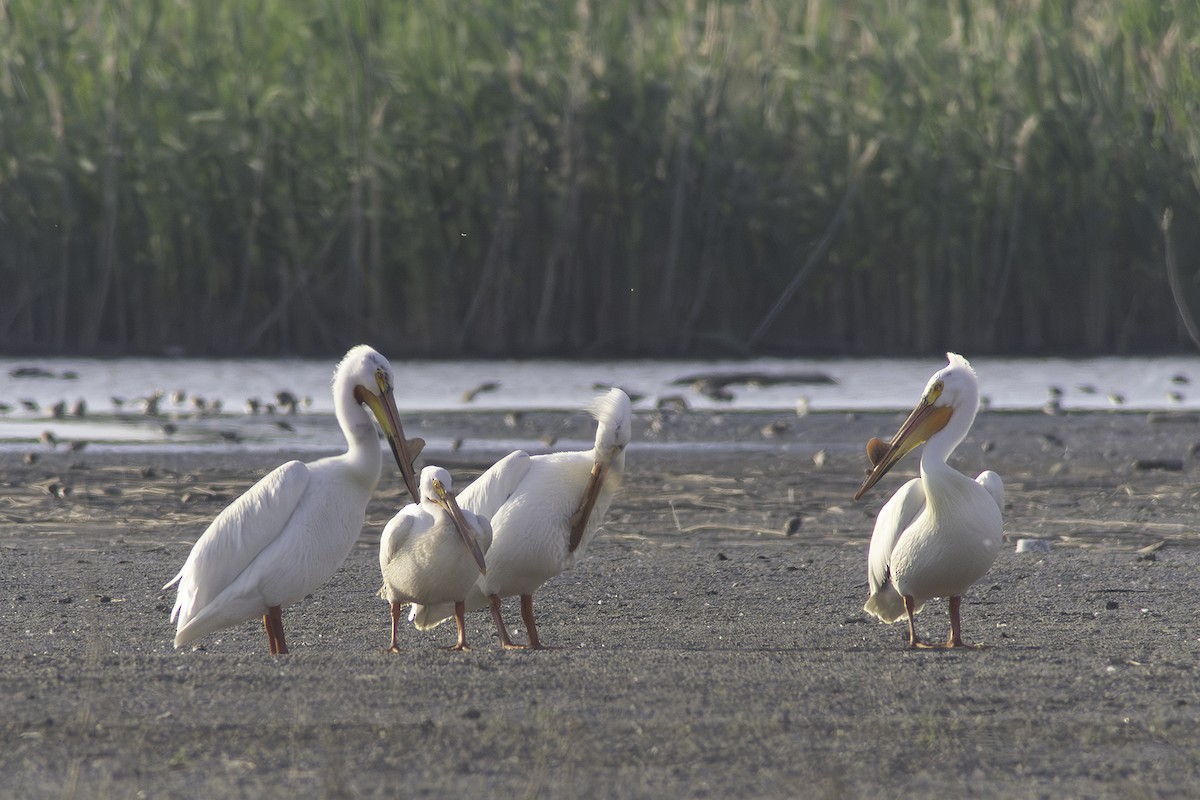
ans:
x=544 y=511
x=290 y=531
x=940 y=533
x=422 y=554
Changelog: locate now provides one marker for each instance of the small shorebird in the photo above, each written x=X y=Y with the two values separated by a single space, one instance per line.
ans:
x=939 y=533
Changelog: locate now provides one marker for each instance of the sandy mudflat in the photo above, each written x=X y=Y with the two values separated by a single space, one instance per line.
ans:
x=702 y=653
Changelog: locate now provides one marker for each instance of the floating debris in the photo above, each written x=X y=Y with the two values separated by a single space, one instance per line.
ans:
x=30 y=372
x=488 y=386
x=1033 y=546
x=1166 y=464
x=723 y=379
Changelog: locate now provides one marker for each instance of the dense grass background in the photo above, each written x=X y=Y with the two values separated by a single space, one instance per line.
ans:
x=598 y=177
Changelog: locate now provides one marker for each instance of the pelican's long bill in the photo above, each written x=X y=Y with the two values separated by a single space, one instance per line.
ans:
x=924 y=421
x=383 y=406
x=469 y=536
x=591 y=492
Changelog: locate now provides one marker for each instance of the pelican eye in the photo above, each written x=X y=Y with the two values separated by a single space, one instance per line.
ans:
x=439 y=488
x=384 y=381
x=935 y=392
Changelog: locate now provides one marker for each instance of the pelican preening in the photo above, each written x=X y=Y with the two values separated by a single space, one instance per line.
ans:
x=290 y=531
x=939 y=533
x=432 y=552
x=528 y=518
x=544 y=511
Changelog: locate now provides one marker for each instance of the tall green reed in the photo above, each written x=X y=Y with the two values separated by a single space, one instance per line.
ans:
x=622 y=177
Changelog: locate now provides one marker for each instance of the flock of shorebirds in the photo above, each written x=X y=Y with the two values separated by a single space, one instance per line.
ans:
x=528 y=518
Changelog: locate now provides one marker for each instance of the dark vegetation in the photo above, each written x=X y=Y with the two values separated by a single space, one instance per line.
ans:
x=620 y=177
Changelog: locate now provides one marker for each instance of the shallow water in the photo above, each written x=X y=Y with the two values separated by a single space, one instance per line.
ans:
x=210 y=393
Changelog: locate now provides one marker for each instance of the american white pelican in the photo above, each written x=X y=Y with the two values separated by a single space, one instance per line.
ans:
x=290 y=531
x=544 y=511
x=421 y=552
x=940 y=533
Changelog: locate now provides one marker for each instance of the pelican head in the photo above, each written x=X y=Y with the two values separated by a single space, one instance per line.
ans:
x=952 y=394
x=435 y=488
x=372 y=379
x=614 y=428
x=614 y=414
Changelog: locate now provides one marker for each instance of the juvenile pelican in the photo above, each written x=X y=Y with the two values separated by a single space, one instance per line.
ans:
x=940 y=533
x=290 y=531
x=544 y=511
x=421 y=553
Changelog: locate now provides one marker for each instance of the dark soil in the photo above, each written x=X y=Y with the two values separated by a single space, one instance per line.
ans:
x=702 y=650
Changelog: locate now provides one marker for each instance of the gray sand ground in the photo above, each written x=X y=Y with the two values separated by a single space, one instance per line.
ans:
x=702 y=652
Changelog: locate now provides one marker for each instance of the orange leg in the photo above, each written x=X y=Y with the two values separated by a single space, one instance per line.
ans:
x=460 y=613
x=505 y=642
x=914 y=641
x=530 y=622
x=394 y=647
x=273 y=622
x=956 y=639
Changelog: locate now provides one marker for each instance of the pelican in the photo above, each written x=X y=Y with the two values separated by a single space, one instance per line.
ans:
x=544 y=512
x=421 y=554
x=939 y=533
x=290 y=531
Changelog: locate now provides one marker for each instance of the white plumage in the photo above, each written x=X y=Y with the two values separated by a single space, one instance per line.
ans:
x=941 y=532
x=291 y=531
x=432 y=552
x=544 y=512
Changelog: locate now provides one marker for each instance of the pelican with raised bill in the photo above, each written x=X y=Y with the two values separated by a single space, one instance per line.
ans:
x=544 y=511
x=291 y=531
x=939 y=533
x=432 y=552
